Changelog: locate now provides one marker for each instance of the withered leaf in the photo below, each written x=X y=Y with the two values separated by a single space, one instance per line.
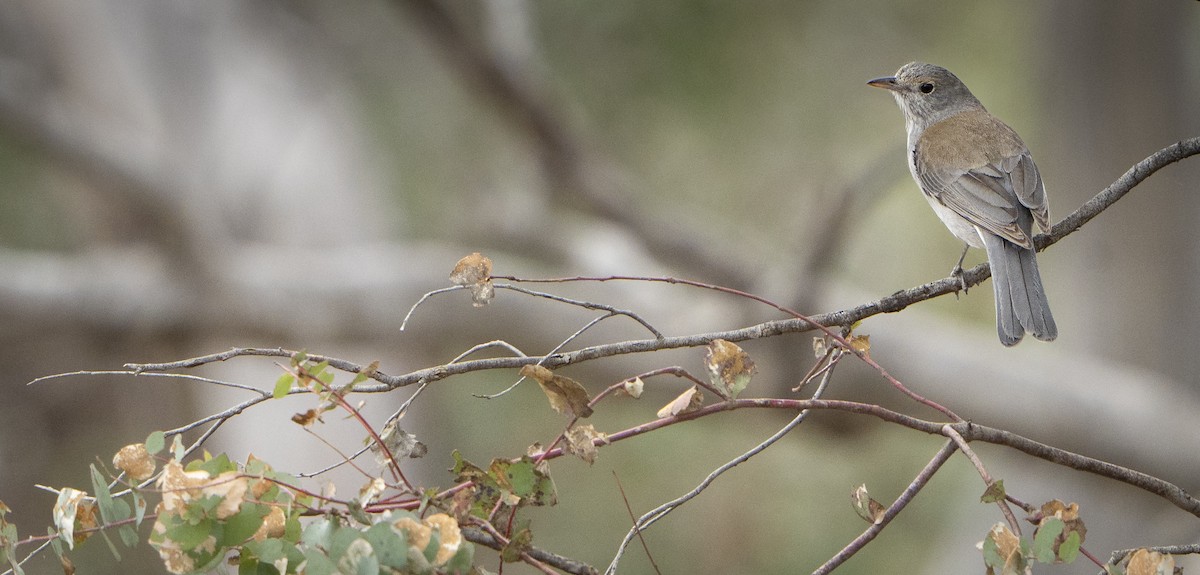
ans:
x=399 y=443
x=371 y=490
x=861 y=344
x=687 y=402
x=475 y=272
x=994 y=492
x=633 y=387
x=729 y=368
x=1073 y=532
x=870 y=510
x=518 y=544
x=307 y=418
x=565 y=394
x=1002 y=551
x=581 y=441
x=1147 y=562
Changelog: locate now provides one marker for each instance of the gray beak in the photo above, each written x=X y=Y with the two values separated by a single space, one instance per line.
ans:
x=887 y=83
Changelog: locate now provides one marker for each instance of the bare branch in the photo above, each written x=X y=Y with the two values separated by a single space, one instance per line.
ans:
x=1119 y=555
x=585 y=304
x=480 y=537
x=983 y=473
x=890 y=513
x=661 y=511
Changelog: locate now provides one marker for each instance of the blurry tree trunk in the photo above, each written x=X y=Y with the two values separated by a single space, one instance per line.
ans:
x=1122 y=272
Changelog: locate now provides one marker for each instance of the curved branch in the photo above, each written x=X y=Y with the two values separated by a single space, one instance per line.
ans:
x=888 y=304
x=1174 y=494
x=891 y=512
x=481 y=537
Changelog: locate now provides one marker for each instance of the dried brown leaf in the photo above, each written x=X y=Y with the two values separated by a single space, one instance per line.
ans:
x=1008 y=548
x=869 y=509
x=1147 y=562
x=399 y=442
x=861 y=344
x=565 y=394
x=1069 y=513
x=307 y=418
x=475 y=271
x=633 y=387
x=687 y=402
x=729 y=368
x=135 y=461
x=581 y=441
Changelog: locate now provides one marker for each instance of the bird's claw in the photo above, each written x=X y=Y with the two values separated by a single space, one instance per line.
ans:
x=958 y=274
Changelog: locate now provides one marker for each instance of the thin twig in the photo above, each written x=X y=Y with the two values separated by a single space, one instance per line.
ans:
x=586 y=305
x=560 y=345
x=337 y=464
x=633 y=518
x=890 y=513
x=661 y=511
x=185 y=376
x=404 y=323
x=525 y=556
x=480 y=537
x=949 y=431
x=494 y=343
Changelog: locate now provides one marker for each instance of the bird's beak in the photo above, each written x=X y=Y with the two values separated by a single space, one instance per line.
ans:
x=887 y=83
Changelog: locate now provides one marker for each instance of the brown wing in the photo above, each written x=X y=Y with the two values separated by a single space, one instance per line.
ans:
x=1001 y=197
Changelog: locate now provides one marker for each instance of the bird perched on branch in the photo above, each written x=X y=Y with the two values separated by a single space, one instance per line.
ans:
x=981 y=181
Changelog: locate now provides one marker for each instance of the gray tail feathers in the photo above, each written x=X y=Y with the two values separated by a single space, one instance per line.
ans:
x=1020 y=299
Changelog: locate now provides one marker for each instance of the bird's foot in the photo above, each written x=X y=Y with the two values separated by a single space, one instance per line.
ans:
x=957 y=273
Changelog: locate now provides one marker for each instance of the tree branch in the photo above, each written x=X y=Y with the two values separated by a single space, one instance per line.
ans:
x=479 y=537
x=891 y=512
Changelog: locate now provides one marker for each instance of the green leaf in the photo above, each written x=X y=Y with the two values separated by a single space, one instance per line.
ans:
x=994 y=492
x=283 y=385
x=291 y=527
x=341 y=540
x=463 y=560
x=111 y=546
x=390 y=547
x=318 y=563
x=104 y=498
x=155 y=442
x=1044 y=537
x=435 y=544
x=177 y=449
x=121 y=509
x=518 y=544
x=244 y=524
x=320 y=373
x=357 y=512
x=247 y=565
x=299 y=358
x=991 y=553
x=128 y=535
x=215 y=466
x=139 y=508
x=270 y=550
x=521 y=478
x=1069 y=549
x=524 y=480
x=319 y=533
x=189 y=535
x=55 y=541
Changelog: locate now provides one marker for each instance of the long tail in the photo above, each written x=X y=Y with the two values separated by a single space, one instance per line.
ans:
x=1020 y=299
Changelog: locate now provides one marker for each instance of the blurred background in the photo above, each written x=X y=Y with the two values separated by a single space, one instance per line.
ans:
x=178 y=178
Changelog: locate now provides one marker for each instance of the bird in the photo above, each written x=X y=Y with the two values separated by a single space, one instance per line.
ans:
x=981 y=181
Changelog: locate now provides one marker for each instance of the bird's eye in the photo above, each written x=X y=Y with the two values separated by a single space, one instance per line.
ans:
x=926 y=88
